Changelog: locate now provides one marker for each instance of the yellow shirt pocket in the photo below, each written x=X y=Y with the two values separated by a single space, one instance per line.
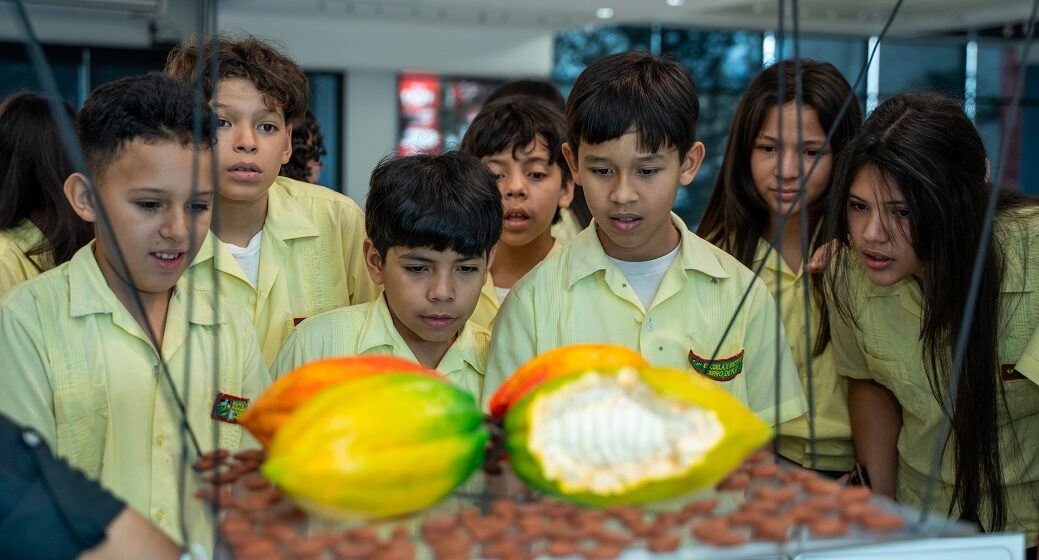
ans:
x=81 y=423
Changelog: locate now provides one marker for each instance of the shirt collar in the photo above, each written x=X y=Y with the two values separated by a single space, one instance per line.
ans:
x=379 y=332
x=587 y=255
x=89 y=293
x=285 y=220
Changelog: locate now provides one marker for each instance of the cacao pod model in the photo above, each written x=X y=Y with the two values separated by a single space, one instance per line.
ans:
x=557 y=362
x=629 y=435
x=285 y=395
x=378 y=446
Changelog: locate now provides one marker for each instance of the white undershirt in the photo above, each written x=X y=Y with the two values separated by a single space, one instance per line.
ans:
x=645 y=277
x=502 y=292
x=248 y=257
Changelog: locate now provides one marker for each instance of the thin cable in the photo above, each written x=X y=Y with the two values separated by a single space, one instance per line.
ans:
x=975 y=277
x=777 y=369
x=75 y=154
x=803 y=214
x=786 y=215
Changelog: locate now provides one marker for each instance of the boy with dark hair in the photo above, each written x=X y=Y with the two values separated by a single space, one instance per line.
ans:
x=639 y=277
x=284 y=249
x=432 y=222
x=84 y=342
x=520 y=138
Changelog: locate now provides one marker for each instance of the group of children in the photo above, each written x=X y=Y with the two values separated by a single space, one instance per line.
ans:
x=176 y=313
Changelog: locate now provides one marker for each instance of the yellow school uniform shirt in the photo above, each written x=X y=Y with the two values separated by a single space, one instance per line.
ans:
x=488 y=304
x=578 y=295
x=368 y=329
x=833 y=449
x=15 y=264
x=567 y=228
x=884 y=345
x=82 y=372
x=311 y=260
x=1028 y=363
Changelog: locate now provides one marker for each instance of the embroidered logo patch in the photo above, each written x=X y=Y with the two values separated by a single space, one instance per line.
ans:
x=296 y=321
x=1008 y=372
x=721 y=369
x=228 y=408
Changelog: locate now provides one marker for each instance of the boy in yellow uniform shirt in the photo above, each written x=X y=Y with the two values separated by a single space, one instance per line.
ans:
x=282 y=248
x=520 y=138
x=85 y=343
x=432 y=224
x=638 y=276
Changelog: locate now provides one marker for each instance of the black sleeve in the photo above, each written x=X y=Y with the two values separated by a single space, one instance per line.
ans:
x=47 y=508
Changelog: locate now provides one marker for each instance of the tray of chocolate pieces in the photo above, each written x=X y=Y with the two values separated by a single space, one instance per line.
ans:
x=762 y=509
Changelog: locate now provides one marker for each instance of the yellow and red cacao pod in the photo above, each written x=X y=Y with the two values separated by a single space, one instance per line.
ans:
x=284 y=396
x=629 y=435
x=378 y=446
x=557 y=362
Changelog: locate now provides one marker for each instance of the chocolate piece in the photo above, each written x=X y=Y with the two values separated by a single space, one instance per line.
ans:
x=821 y=486
x=765 y=470
x=603 y=552
x=255 y=547
x=562 y=548
x=735 y=481
x=851 y=494
x=255 y=481
x=667 y=542
x=828 y=527
x=776 y=529
x=881 y=521
x=251 y=455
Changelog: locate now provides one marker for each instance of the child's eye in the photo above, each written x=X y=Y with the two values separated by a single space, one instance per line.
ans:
x=902 y=212
x=198 y=207
x=767 y=148
x=857 y=206
x=602 y=171
x=468 y=269
x=150 y=205
x=498 y=176
x=222 y=122
x=268 y=128
x=416 y=268
x=536 y=175
x=813 y=152
x=648 y=171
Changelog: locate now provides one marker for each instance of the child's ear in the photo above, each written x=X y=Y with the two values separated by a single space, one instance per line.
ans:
x=571 y=161
x=373 y=260
x=567 y=195
x=288 y=145
x=490 y=258
x=691 y=162
x=77 y=193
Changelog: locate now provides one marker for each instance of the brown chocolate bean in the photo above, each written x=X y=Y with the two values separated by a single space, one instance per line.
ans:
x=613 y=538
x=766 y=470
x=258 y=546
x=851 y=494
x=763 y=506
x=828 y=527
x=562 y=548
x=759 y=456
x=701 y=507
x=603 y=552
x=255 y=481
x=667 y=542
x=356 y=550
x=881 y=521
x=716 y=532
x=735 y=481
x=281 y=532
x=822 y=503
x=821 y=486
x=775 y=529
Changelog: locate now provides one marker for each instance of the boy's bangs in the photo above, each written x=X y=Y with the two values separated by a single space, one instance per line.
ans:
x=611 y=116
x=442 y=231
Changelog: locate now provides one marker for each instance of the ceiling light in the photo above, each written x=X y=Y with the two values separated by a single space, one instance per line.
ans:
x=675 y=3
x=604 y=13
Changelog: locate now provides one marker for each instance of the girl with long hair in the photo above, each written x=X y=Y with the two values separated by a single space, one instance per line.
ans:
x=908 y=204
x=763 y=169
x=38 y=229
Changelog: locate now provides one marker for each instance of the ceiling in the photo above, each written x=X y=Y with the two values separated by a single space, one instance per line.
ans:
x=915 y=17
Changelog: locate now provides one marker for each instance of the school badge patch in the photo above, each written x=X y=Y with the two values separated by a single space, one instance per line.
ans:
x=1008 y=372
x=228 y=408
x=721 y=369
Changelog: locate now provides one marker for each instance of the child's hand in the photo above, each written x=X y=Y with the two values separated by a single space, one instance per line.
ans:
x=822 y=256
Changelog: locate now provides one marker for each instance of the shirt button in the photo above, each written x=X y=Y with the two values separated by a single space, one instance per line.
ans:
x=160 y=440
x=31 y=438
x=649 y=325
x=159 y=515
